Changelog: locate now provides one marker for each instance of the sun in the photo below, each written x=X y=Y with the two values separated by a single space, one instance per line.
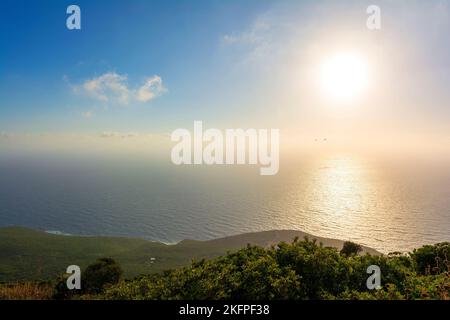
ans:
x=344 y=76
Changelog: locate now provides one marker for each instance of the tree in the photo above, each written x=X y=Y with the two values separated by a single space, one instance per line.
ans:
x=432 y=259
x=60 y=290
x=100 y=274
x=350 y=249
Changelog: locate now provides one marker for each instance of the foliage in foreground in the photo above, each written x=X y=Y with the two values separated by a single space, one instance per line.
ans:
x=301 y=270
x=96 y=278
x=26 y=291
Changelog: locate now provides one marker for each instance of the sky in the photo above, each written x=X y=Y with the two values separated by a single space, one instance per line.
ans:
x=153 y=66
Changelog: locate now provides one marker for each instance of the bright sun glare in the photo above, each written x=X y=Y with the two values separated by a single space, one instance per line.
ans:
x=344 y=76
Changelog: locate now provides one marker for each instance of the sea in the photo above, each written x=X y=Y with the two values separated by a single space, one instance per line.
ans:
x=389 y=205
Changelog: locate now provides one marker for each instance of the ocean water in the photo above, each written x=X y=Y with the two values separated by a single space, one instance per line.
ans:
x=388 y=205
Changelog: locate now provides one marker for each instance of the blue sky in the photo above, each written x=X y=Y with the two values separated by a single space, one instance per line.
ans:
x=233 y=63
x=176 y=40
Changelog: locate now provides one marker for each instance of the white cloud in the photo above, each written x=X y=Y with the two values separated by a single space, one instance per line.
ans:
x=108 y=87
x=113 y=88
x=152 y=88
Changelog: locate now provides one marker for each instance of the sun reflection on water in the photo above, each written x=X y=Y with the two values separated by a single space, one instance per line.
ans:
x=340 y=191
x=347 y=197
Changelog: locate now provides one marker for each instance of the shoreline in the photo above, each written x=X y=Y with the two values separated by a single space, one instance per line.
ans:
x=277 y=234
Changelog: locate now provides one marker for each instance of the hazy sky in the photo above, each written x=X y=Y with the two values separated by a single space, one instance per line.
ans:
x=154 y=66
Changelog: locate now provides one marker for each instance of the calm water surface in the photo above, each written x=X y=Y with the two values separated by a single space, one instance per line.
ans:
x=386 y=205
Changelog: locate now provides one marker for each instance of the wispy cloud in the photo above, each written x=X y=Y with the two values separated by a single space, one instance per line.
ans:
x=112 y=87
x=115 y=134
x=255 y=35
x=108 y=87
x=152 y=88
x=257 y=42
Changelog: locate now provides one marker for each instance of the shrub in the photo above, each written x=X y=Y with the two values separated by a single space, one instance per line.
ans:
x=300 y=270
x=60 y=290
x=432 y=259
x=100 y=274
x=350 y=248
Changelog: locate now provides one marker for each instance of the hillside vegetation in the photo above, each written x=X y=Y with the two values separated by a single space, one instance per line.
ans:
x=27 y=254
x=296 y=269
x=300 y=270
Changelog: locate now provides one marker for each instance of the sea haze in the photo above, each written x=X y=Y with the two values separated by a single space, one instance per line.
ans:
x=387 y=205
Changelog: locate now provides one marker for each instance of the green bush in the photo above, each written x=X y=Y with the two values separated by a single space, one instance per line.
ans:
x=432 y=259
x=300 y=270
x=99 y=275
x=60 y=290
x=350 y=248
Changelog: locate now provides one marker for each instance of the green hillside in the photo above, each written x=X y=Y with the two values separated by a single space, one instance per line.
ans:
x=27 y=254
